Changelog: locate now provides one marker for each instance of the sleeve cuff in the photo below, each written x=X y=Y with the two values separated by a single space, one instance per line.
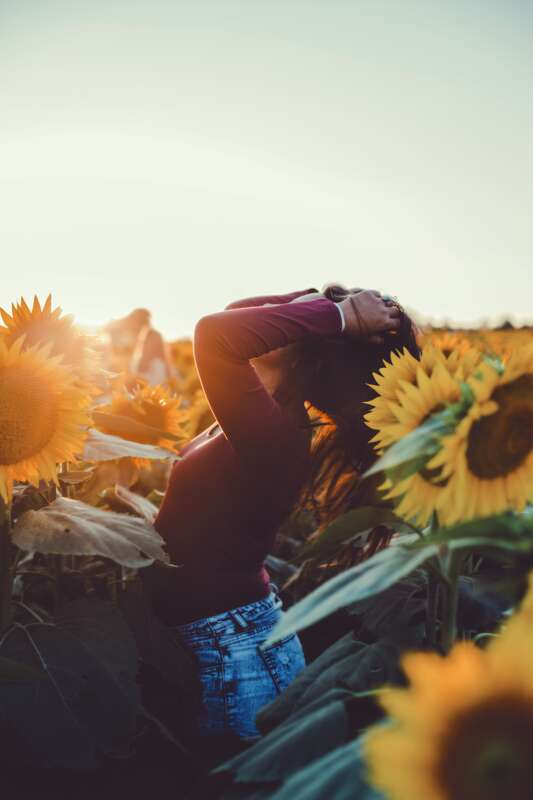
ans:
x=341 y=312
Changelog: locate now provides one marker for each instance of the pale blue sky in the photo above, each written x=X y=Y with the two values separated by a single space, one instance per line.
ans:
x=177 y=154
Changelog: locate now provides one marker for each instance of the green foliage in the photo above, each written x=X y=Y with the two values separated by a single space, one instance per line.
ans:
x=345 y=528
x=168 y=668
x=87 y=699
x=105 y=447
x=362 y=581
x=15 y=672
x=398 y=612
x=292 y=745
x=509 y=532
x=349 y=664
x=70 y=527
x=339 y=774
x=128 y=427
x=409 y=455
x=312 y=749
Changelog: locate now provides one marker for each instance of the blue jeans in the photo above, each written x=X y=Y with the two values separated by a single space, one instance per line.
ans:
x=238 y=676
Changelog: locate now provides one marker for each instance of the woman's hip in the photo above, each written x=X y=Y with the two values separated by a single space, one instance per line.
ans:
x=238 y=674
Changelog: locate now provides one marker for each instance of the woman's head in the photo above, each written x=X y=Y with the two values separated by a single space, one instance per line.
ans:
x=333 y=374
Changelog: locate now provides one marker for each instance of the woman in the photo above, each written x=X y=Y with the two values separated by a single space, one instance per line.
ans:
x=150 y=359
x=260 y=362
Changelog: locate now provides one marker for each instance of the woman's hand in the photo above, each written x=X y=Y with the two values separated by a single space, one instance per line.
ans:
x=368 y=316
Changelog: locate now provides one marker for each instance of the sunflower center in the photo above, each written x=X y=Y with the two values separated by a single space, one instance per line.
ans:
x=28 y=414
x=486 y=753
x=499 y=443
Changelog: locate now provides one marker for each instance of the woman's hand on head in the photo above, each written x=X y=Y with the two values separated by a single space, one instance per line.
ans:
x=368 y=317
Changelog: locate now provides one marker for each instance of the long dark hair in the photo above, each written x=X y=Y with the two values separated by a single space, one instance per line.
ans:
x=334 y=375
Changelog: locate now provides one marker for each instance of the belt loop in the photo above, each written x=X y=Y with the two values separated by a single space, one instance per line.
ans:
x=240 y=622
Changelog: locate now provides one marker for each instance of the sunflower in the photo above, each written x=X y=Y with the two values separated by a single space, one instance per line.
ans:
x=402 y=369
x=198 y=416
x=504 y=343
x=417 y=496
x=449 y=342
x=153 y=406
x=463 y=730
x=42 y=415
x=44 y=325
x=487 y=462
x=393 y=379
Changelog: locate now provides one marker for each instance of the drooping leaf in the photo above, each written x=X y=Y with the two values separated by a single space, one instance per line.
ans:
x=140 y=505
x=104 y=447
x=283 y=706
x=348 y=665
x=362 y=581
x=105 y=474
x=372 y=667
x=102 y=631
x=291 y=746
x=75 y=477
x=510 y=532
x=87 y=702
x=70 y=527
x=16 y=672
x=339 y=775
x=125 y=426
x=160 y=648
x=398 y=609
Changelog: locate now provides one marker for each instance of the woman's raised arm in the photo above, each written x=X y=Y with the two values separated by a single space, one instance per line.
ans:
x=268 y=299
x=225 y=342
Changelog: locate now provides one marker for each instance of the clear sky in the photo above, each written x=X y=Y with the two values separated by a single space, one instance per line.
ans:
x=177 y=154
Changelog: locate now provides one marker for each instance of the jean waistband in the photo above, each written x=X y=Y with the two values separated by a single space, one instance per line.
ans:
x=241 y=618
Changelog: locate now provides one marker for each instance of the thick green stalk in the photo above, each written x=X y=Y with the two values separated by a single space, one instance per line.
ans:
x=433 y=593
x=6 y=567
x=450 y=604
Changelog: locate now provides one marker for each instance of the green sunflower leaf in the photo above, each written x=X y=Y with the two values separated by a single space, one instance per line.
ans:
x=509 y=532
x=344 y=528
x=358 y=583
x=415 y=449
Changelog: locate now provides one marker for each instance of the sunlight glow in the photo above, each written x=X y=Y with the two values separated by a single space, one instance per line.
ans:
x=168 y=156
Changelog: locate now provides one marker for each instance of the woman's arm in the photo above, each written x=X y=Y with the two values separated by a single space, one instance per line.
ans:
x=224 y=343
x=271 y=299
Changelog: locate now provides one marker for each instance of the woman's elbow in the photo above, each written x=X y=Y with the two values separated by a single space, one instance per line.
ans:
x=205 y=333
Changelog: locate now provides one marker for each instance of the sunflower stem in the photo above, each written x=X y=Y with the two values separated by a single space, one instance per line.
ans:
x=450 y=603
x=433 y=594
x=6 y=567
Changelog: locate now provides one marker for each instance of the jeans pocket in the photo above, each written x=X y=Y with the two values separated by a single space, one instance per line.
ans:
x=284 y=660
x=212 y=716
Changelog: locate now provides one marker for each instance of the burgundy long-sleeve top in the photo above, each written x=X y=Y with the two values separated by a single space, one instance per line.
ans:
x=236 y=482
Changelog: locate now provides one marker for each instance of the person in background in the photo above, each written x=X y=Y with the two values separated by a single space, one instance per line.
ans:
x=151 y=360
x=123 y=335
x=138 y=349
x=262 y=361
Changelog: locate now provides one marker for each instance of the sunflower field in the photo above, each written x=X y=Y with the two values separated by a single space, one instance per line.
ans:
x=415 y=607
